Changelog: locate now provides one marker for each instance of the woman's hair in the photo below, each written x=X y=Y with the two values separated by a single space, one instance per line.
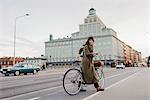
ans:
x=81 y=50
x=90 y=38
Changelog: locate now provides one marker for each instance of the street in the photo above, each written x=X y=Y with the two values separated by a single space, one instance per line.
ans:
x=124 y=84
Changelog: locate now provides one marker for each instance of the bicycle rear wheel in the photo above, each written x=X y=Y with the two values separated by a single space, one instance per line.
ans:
x=72 y=81
x=101 y=77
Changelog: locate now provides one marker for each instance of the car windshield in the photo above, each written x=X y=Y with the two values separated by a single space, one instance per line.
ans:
x=23 y=64
x=17 y=66
x=20 y=65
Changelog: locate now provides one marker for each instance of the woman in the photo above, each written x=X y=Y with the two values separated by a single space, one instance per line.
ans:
x=89 y=74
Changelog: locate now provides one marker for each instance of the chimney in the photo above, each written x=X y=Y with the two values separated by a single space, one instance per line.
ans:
x=50 y=37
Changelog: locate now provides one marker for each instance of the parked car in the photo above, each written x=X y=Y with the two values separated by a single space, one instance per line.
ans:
x=120 y=66
x=143 y=64
x=20 y=68
x=113 y=65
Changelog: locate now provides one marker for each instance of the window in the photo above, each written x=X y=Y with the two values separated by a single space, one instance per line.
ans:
x=90 y=19
x=67 y=42
x=94 y=19
x=104 y=43
x=108 y=43
x=86 y=21
x=54 y=44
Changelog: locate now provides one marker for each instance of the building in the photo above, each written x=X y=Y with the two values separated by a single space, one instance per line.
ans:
x=106 y=42
x=136 y=56
x=131 y=56
x=8 y=61
x=36 y=61
x=127 y=53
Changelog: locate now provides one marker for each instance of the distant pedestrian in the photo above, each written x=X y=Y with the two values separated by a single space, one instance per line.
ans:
x=148 y=62
x=43 y=67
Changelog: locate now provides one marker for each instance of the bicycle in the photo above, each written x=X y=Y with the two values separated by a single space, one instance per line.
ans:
x=73 y=79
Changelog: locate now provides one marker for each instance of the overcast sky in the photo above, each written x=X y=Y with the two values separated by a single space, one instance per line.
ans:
x=129 y=18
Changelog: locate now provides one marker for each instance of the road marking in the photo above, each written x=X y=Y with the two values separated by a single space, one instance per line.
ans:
x=30 y=93
x=97 y=93
x=34 y=98
x=117 y=74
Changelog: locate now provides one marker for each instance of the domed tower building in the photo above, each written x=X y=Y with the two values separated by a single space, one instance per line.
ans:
x=65 y=50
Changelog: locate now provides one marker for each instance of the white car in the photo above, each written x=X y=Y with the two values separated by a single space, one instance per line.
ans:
x=143 y=64
x=120 y=66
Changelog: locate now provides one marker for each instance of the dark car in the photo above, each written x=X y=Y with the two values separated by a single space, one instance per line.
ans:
x=20 y=68
x=113 y=65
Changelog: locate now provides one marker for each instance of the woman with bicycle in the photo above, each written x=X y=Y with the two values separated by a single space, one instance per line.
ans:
x=88 y=69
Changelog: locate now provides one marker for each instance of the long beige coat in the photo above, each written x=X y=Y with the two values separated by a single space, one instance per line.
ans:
x=88 y=69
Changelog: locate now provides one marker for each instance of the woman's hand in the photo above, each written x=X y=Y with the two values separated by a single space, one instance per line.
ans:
x=94 y=54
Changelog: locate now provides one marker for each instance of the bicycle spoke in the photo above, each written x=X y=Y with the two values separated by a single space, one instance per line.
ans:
x=72 y=81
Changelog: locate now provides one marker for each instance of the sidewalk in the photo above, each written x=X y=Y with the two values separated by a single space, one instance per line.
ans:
x=136 y=87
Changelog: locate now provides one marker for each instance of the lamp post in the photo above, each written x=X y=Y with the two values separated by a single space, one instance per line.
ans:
x=72 y=48
x=15 y=28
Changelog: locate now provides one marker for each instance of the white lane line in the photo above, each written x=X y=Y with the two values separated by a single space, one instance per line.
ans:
x=30 y=93
x=118 y=74
x=97 y=93
x=36 y=98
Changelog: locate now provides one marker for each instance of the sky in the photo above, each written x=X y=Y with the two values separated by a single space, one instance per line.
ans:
x=129 y=18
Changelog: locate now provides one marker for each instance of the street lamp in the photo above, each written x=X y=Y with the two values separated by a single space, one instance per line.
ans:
x=15 y=28
x=72 y=48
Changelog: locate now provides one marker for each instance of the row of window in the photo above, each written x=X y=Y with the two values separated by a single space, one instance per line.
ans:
x=76 y=42
x=105 y=57
x=6 y=62
x=89 y=20
x=59 y=43
x=32 y=61
x=90 y=27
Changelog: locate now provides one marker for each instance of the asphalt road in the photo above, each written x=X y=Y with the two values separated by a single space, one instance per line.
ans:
x=47 y=85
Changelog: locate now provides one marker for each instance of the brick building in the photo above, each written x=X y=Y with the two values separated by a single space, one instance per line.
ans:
x=8 y=61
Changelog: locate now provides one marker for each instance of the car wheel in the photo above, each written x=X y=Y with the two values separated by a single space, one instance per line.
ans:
x=34 y=71
x=25 y=73
x=17 y=73
x=6 y=74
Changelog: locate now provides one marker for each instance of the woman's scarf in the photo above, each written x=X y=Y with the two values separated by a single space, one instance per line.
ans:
x=90 y=48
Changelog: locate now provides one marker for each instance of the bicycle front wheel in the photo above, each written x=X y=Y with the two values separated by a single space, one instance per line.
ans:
x=101 y=77
x=72 y=81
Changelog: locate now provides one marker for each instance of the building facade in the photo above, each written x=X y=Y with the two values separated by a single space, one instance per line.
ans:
x=106 y=42
x=8 y=61
x=40 y=61
x=131 y=56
